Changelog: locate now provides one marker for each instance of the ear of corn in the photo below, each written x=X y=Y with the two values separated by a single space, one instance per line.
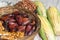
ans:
x=54 y=18
x=40 y=8
x=46 y=29
x=49 y=34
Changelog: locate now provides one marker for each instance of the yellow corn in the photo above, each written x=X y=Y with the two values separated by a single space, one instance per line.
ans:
x=46 y=29
x=49 y=34
x=20 y=34
x=54 y=18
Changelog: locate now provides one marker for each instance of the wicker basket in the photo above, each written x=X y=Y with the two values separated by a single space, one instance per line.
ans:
x=9 y=9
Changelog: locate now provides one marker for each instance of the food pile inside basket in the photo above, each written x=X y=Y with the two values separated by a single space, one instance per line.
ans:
x=18 y=22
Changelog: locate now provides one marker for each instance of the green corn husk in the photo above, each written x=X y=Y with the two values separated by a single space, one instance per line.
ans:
x=42 y=34
x=54 y=18
x=58 y=11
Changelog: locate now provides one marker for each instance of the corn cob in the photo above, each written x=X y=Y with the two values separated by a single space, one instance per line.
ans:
x=54 y=18
x=48 y=31
x=44 y=33
x=40 y=8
